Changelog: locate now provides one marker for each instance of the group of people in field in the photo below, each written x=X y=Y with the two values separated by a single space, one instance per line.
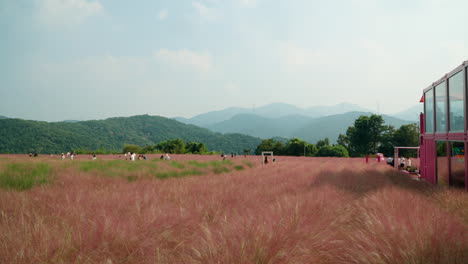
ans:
x=403 y=163
x=69 y=155
x=132 y=156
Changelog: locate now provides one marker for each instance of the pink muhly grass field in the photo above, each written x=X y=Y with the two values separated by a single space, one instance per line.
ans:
x=297 y=210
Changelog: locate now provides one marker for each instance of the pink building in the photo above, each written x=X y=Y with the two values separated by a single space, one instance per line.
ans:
x=443 y=130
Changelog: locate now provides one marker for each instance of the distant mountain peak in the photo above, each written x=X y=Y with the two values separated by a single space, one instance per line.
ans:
x=272 y=110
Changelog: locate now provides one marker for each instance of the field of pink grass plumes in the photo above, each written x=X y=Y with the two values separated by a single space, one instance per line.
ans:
x=196 y=210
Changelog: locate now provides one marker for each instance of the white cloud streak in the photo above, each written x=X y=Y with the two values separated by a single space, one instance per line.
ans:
x=66 y=12
x=206 y=12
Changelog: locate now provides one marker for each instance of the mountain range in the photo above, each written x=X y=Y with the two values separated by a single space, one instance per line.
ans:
x=23 y=136
x=283 y=120
x=306 y=128
x=274 y=110
x=230 y=130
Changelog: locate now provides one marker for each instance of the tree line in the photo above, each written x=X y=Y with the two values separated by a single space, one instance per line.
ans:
x=174 y=146
x=368 y=135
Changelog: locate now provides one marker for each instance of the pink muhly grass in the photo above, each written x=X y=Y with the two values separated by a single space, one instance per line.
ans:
x=297 y=210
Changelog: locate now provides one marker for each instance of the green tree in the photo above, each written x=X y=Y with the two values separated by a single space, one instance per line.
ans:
x=365 y=135
x=407 y=136
x=195 y=148
x=295 y=147
x=131 y=148
x=387 y=142
x=175 y=146
x=265 y=145
x=342 y=140
x=332 y=151
x=323 y=142
x=147 y=149
x=279 y=148
x=311 y=150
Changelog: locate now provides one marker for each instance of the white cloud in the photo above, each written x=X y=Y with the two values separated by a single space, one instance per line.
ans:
x=163 y=14
x=185 y=58
x=60 y=12
x=206 y=12
x=248 y=3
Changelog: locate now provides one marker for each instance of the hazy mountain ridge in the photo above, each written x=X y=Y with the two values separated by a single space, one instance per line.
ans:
x=411 y=114
x=332 y=126
x=306 y=128
x=274 y=110
x=262 y=127
x=23 y=136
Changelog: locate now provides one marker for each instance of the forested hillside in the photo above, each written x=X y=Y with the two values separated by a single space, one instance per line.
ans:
x=24 y=136
x=303 y=127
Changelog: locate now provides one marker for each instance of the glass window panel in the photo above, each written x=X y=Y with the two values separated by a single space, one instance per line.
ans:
x=442 y=163
x=440 y=103
x=429 y=111
x=456 y=116
x=457 y=164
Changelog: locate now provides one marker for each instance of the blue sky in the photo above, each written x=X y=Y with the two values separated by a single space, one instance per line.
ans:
x=93 y=59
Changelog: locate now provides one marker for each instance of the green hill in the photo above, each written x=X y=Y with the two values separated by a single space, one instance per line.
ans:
x=23 y=136
x=303 y=127
x=263 y=127
x=332 y=126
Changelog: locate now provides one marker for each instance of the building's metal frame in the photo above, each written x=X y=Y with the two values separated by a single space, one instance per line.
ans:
x=428 y=139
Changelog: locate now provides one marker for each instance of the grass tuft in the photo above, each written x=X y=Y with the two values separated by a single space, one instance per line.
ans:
x=219 y=170
x=177 y=174
x=248 y=163
x=178 y=165
x=198 y=164
x=238 y=167
x=23 y=176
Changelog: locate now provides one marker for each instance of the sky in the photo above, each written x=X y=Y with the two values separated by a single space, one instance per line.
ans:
x=94 y=59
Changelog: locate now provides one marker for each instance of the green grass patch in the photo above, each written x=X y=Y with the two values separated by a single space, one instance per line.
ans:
x=220 y=169
x=198 y=164
x=178 y=165
x=238 y=167
x=23 y=176
x=248 y=163
x=220 y=163
x=131 y=178
x=176 y=174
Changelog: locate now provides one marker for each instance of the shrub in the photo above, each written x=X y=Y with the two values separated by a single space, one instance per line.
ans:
x=131 y=148
x=332 y=151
